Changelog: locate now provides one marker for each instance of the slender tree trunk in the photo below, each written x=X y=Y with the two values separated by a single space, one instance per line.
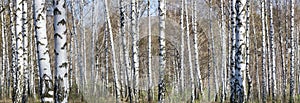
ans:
x=292 y=64
x=189 y=52
x=162 y=51
x=223 y=67
x=150 y=94
x=195 y=24
x=182 y=65
x=115 y=71
x=25 y=50
x=232 y=54
x=248 y=95
x=61 y=88
x=14 y=48
x=263 y=52
x=274 y=88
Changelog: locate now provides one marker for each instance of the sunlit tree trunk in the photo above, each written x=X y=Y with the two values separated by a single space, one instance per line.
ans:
x=248 y=92
x=61 y=88
x=162 y=51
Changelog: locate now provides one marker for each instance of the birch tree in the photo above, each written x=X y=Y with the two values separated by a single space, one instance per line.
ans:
x=192 y=87
x=46 y=80
x=292 y=64
x=150 y=94
x=115 y=71
x=61 y=60
x=19 y=46
x=263 y=52
x=25 y=51
x=162 y=50
x=240 y=64
x=195 y=24
x=182 y=47
x=274 y=89
x=223 y=67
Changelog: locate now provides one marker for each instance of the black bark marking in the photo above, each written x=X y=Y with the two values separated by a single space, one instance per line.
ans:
x=56 y=11
x=57 y=35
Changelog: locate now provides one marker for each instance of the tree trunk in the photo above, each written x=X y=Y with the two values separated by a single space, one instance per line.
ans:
x=150 y=94
x=46 y=81
x=274 y=88
x=189 y=53
x=162 y=51
x=240 y=54
x=263 y=52
x=182 y=65
x=61 y=61
x=292 y=64
x=115 y=71
x=195 y=24
x=223 y=67
x=19 y=46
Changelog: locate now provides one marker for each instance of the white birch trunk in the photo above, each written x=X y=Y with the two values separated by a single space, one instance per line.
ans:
x=195 y=25
x=192 y=86
x=273 y=57
x=240 y=55
x=292 y=59
x=19 y=46
x=14 y=48
x=135 y=48
x=264 y=89
x=223 y=42
x=162 y=51
x=182 y=48
x=61 y=60
x=115 y=71
x=25 y=50
x=150 y=94
x=46 y=81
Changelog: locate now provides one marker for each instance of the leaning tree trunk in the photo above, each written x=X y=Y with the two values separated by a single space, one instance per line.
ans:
x=46 y=82
x=189 y=53
x=292 y=44
x=240 y=62
x=195 y=24
x=61 y=88
x=162 y=51
x=115 y=71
